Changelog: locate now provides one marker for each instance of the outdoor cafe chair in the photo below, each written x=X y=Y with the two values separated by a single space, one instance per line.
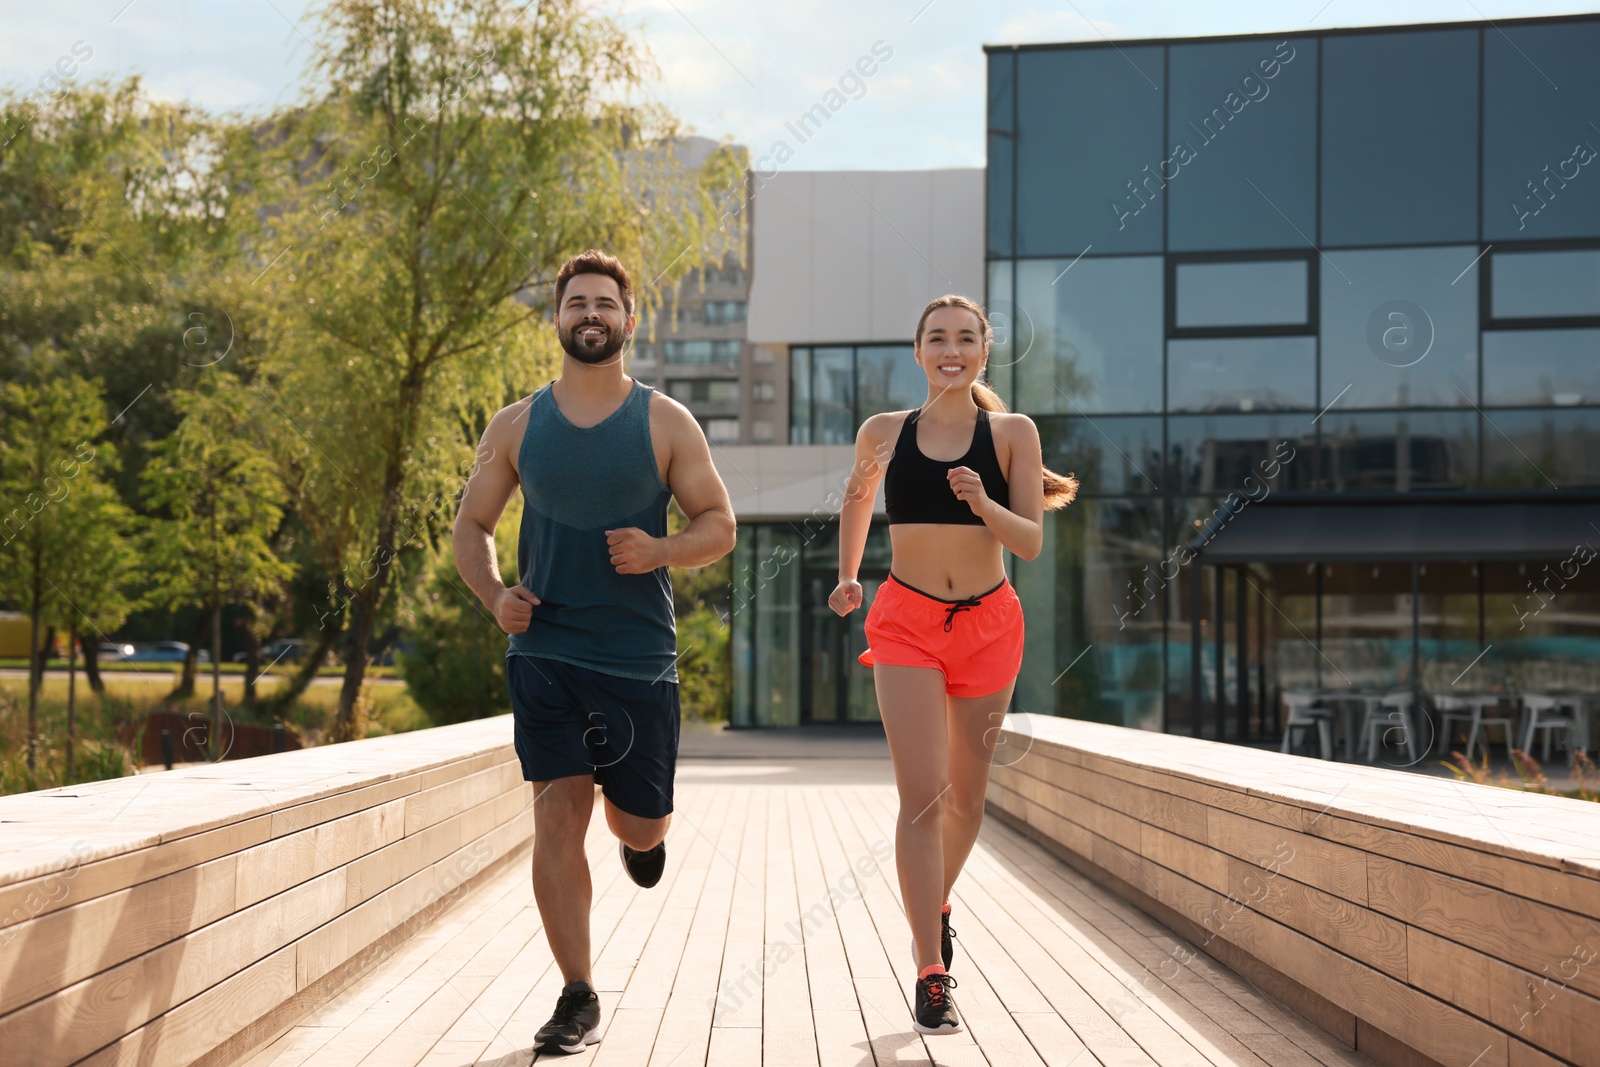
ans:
x=1303 y=715
x=1390 y=712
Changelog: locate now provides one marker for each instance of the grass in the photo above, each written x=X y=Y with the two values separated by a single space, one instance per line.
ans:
x=1531 y=775
x=98 y=754
x=328 y=670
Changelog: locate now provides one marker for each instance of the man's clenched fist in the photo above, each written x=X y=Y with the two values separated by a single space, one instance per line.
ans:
x=513 y=609
x=633 y=551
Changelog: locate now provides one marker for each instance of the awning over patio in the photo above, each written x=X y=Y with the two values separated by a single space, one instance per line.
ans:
x=1363 y=530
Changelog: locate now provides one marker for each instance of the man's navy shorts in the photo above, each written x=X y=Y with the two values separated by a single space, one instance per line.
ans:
x=572 y=720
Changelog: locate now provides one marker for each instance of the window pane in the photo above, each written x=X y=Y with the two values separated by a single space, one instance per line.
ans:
x=1397 y=331
x=800 y=396
x=1092 y=552
x=833 y=396
x=1560 y=367
x=1002 y=372
x=1242 y=374
x=1090 y=123
x=1002 y=93
x=1264 y=96
x=1111 y=455
x=1539 y=166
x=1530 y=285
x=888 y=379
x=1271 y=292
x=1088 y=334
x=1532 y=449
x=1385 y=450
x=1221 y=453
x=1400 y=137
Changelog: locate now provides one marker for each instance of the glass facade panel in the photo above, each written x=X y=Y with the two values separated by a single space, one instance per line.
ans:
x=833 y=396
x=1263 y=96
x=1111 y=455
x=1541 y=448
x=1400 y=137
x=1269 y=292
x=1242 y=374
x=1366 y=626
x=1081 y=660
x=1539 y=138
x=1396 y=329
x=800 y=396
x=1002 y=372
x=1398 y=451
x=887 y=379
x=1240 y=453
x=1089 y=335
x=1536 y=285
x=998 y=171
x=1447 y=627
x=766 y=628
x=1560 y=367
x=1067 y=198
x=1543 y=619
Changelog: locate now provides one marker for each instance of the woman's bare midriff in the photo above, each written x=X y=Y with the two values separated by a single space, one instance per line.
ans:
x=946 y=561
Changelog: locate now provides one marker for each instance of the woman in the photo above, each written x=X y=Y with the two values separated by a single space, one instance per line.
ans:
x=945 y=629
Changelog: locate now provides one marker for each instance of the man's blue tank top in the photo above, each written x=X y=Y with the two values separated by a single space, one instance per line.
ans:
x=577 y=483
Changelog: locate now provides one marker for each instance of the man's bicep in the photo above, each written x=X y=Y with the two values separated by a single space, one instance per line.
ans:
x=692 y=477
x=492 y=481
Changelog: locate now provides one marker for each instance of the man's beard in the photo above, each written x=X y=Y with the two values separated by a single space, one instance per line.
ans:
x=591 y=354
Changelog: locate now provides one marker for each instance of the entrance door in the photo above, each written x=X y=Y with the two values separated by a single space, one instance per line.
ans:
x=835 y=686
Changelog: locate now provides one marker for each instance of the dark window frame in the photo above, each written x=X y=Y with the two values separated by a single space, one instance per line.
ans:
x=1312 y=326
x=1487 y=320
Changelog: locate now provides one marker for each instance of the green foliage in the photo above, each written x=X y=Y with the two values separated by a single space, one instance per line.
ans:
x=700 y=599
x=456 y=669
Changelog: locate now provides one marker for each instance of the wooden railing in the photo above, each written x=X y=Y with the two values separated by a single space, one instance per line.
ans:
x=186 y=916
x=1419 y=919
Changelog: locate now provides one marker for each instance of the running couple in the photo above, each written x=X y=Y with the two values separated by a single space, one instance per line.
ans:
x=591 y=666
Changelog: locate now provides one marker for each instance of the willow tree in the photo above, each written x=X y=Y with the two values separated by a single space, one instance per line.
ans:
x=216 y=501
x=453 y=155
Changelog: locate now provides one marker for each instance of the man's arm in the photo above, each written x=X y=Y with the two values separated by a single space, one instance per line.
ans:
x=701 y=495
x=493 y=479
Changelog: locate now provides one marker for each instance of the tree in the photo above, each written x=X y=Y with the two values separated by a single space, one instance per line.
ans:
x=419 y=208
x=92 y=587
x=45 y=449
x=222 y=501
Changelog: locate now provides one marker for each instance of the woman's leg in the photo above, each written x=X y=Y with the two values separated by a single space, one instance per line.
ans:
x=911 y=702
x=974 y=726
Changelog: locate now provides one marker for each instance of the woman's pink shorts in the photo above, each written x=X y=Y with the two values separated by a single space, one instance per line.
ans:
x=976 y=643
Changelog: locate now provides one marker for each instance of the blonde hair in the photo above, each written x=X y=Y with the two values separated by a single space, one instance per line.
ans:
x=1059 y=489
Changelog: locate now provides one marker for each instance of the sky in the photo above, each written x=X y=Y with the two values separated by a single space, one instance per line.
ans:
x=730 y=69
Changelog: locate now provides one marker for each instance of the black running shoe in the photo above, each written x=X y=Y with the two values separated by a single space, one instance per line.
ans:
x=947 y=951
x=575 y=1024
x=644 y=867
x=936 y=1011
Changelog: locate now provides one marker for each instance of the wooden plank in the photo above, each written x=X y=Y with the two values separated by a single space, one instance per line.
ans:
x=685 y=1034
x=738 y=998
x=1082 y=905
x=789 y=1037
x=1521 y=932
x=67 y=946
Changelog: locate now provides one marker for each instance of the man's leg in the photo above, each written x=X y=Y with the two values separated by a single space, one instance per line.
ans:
x=561 y=886
x=641 y=835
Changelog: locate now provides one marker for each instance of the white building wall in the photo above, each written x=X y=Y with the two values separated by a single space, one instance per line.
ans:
x=852 y=256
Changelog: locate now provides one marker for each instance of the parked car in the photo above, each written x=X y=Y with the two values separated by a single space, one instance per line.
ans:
x=115 y=652
x=282 y=650
x=159 y=652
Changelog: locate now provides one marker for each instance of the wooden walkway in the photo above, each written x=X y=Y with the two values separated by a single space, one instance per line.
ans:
x=777 y=937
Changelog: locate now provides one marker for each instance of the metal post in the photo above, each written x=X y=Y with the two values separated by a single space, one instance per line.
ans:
x=1196 y=682
x=278 y=737
x=166 y=748
x=1242 y=635
x=1222 y=648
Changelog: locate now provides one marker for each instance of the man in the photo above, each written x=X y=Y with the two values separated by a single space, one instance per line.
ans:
x=592 y=660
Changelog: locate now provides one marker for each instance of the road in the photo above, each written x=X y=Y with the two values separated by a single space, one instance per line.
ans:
x=156 y=673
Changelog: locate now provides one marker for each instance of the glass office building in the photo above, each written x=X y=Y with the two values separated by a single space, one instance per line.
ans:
x=1316 y=320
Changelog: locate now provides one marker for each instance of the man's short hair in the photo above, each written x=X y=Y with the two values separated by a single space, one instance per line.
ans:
x=595 y=261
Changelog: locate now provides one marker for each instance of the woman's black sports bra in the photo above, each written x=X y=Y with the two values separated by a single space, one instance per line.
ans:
x=917 y=489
